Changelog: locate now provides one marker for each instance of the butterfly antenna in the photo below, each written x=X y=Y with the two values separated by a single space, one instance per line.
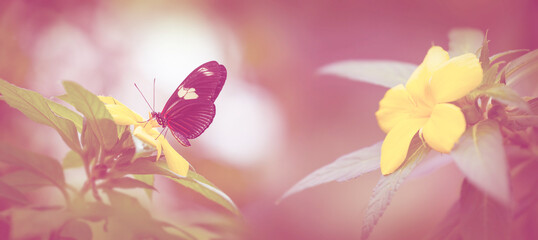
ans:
x=153 y=93
x=144 y=98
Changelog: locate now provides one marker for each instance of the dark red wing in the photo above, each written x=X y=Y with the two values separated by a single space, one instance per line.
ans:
x=189 y=118
x=191 y=108
x=204 y=83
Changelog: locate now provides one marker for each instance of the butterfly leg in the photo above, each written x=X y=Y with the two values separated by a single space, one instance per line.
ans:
x=162 y=132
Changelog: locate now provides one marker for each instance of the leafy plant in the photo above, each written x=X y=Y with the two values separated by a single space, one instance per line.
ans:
x=111 y=162
x=496 y=152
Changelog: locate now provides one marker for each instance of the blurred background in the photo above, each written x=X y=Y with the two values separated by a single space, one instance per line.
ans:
x=277 y=118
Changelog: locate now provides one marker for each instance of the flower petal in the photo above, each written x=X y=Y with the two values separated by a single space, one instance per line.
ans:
x=395 y=106
x=444 y=128
x=110 y=100
x=123 y=115
x=417 y=85
x=175 y=162
x=455 y=78
x=147 y=137
x=396 y=144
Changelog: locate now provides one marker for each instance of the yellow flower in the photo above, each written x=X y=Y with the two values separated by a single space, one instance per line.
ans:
x=423 y=106
x=144 y=131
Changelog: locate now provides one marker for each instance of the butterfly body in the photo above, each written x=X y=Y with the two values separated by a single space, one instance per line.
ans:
x=191 y=109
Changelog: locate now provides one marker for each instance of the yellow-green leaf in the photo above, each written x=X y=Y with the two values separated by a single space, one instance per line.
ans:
x=76 y=230
x=35 y=107
x=25 y=180
x=474 y=216
x=126 y=182
x=10 y=193
x=95 y=112
x=481 y=158
x=130 y=220
x=192 y=233
x=521 y=74
x=90 y=144
x=503 y=94
x=389 y=184
x=506 y=53
x=194 y=181
x=66 y=113
x=72 y=160
x=484 y=53
x=490 y=76
x=148 y=179
x=36 y=224
x=344 y=168
x=44 y=166
x=379 y=72
x=201 y=185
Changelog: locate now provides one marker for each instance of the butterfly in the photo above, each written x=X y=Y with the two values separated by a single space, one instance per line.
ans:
x=191 y=108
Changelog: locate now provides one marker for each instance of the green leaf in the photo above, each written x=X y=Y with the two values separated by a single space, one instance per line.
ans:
x=66 y=113
x=12 y=194
x=521 y=120
x=199 y=184
x=124 y=150
x=481 y=158
x=464 y=40
x=91 y=211
x=72 y=160
x=525 y=61
x=90 y=143
x=148 y=179
x=388 y=185
x=193 y=233
x=140 y=166
x=30 y=223
x=379 y=72
x=506 y=53
x=35 y=107
x=25 y=180
x=94 y=110
x=521 y=74
x=126 y=182
x=76 y=230
x=484 y=53
x=503 y=94
x=344 y=168
x=129 y=220
x=474 y=216
x=41 y=165
x=193 y=181
x=207 y=225
x=490 y=75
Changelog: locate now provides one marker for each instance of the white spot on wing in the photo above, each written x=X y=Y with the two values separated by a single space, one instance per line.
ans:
x=191 y=95
x=209 y=73
x=187 y=93
x=181 y=92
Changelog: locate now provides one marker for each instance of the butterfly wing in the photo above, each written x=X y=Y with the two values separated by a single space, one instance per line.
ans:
x=191 y=108
x=188 y=119
x=205 y=82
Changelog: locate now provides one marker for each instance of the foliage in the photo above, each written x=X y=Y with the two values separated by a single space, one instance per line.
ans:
x=111 y=162
x=497 y=153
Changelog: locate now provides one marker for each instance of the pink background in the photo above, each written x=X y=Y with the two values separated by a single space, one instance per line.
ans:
x=278 y=119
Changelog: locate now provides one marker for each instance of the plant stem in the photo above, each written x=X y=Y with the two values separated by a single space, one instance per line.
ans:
x=92 y=178
x=90 y=183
